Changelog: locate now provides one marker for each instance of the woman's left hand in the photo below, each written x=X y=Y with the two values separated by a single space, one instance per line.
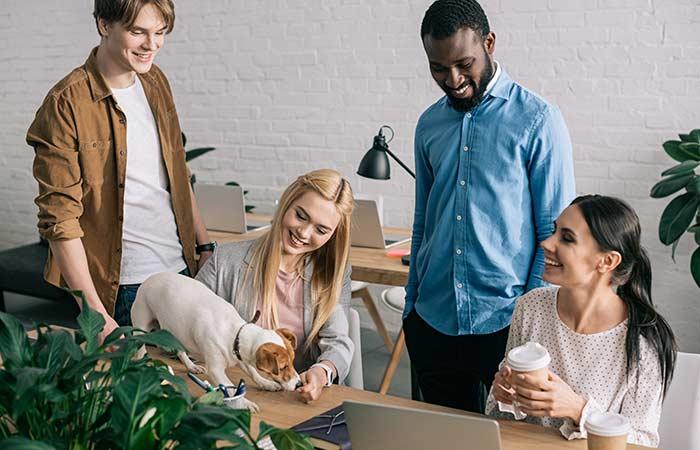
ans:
x=552 y=398
x=313 y=381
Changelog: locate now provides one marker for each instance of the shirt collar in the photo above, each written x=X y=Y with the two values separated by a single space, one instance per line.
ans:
x=493 y=80
x=97 y=83
x=500 y=84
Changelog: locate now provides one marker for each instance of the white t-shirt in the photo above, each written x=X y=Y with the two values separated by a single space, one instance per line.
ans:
x=593 y=365
x=150 y=242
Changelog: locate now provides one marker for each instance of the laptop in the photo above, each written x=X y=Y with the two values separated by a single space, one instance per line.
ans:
x=366 y=229
x=223 y=208
x=386 y=427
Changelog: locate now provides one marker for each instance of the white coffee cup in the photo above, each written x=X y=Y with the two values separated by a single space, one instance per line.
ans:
x=607 y=431
x=530 y=358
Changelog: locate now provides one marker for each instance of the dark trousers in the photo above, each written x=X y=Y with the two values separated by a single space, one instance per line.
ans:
x=453 y=371
x=125 y=300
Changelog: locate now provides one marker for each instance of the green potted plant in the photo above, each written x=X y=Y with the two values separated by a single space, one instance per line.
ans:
x=682 y=214
x=57 y=392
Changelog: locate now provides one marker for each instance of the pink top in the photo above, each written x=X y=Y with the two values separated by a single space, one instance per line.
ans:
x=289 y=288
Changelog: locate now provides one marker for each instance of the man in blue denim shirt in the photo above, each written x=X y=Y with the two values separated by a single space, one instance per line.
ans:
x=493 y=171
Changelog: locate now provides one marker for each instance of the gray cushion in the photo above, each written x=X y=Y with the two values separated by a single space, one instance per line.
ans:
x=22 y=272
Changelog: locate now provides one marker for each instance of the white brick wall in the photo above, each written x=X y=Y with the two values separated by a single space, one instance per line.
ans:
x=284 y=86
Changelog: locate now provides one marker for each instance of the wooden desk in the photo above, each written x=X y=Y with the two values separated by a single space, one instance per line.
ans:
x=368 y=264
x=283 y=409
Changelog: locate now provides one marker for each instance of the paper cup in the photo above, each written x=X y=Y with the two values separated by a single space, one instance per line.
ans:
x=607 y=431
x=531 y=358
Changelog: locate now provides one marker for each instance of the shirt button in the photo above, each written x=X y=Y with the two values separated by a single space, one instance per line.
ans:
x=466 y=148
x=115 y=282
x=459 y=252
x=462 y=183
x=121 y=185
x=122 y=120
x=469 y=115
x=121 y=218
x=459 y=217
x=119 y=249
x=459 y=285
x=122 y=152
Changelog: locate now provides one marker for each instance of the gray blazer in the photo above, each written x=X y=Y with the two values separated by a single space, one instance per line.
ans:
x=226 y=268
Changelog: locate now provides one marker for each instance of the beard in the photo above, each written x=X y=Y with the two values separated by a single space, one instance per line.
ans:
x=467 y=104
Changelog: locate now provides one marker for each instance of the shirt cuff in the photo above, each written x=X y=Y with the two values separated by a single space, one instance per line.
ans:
x=571 y=431
x=62 y=231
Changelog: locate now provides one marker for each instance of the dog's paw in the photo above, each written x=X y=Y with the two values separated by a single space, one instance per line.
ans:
x=268 y=385
x=252 y=406
x=194 y=368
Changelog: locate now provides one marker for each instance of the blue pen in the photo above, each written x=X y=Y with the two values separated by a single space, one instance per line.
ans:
x=203 y=384
x=223 y=389
x=240 y=389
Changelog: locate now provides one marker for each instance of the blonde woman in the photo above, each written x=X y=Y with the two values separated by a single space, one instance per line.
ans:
x=298 y=276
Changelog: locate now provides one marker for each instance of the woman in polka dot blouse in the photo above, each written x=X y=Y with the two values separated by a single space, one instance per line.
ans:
x=610 y=350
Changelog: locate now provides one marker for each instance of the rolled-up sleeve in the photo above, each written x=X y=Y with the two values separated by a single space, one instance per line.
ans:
x=57 y=169
x=334 y=341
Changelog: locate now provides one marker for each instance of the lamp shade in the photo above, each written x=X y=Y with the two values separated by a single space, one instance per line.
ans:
x=375 y=163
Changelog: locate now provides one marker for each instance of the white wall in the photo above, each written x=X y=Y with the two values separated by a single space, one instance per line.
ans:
x=284 y=86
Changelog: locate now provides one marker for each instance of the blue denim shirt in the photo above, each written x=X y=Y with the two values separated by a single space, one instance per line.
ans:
x=489 y=185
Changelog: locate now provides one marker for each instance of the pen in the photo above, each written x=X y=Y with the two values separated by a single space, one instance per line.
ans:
x=223 y=389
x=240 y=389
x=203 y=384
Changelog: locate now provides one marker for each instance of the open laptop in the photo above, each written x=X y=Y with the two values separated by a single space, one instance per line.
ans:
x=366 y=230
x=386 y=427
x=223 y=208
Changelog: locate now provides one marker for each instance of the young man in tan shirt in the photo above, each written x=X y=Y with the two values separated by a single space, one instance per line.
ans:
x=112 y=220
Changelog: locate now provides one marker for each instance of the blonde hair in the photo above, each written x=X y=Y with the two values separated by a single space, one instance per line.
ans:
x=329 y=261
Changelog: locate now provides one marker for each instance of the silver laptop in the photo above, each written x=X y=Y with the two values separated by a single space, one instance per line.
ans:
x=223 y=208
x=367 y=230
x=386 y=427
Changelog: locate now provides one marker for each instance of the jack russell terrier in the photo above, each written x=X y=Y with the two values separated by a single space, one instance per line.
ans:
x=210 y=327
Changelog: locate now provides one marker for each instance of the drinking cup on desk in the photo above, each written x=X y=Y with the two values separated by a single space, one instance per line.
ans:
x=607 y=431
x=531 y=359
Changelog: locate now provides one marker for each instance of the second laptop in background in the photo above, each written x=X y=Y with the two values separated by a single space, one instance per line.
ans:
x=222 y=208
x=366 y=230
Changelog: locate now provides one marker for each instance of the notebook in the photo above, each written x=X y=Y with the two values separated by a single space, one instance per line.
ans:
x=317 y=429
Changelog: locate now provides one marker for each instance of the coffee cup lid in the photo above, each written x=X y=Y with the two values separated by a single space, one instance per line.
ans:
x=528 y=357
x=607 y=424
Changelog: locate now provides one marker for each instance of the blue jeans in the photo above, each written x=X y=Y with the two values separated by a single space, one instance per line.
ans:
x=125 y=299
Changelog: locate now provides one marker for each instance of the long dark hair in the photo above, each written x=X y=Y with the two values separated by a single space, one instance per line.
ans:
x=615 y=227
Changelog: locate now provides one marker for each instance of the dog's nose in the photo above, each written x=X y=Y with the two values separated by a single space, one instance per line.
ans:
x=299 y=384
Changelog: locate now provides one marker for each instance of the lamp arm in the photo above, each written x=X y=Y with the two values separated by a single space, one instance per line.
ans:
x=386 y=149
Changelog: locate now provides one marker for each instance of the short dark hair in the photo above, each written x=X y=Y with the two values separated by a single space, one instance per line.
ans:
x=126 y=11
x=445 y=17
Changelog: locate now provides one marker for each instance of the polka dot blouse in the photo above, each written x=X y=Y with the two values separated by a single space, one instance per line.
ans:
x=593 y=365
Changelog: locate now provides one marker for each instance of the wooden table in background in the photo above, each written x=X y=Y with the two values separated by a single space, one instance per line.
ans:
x=368 y=264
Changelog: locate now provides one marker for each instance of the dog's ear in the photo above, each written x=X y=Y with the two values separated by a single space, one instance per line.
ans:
x=266 y=359
x=289 y=336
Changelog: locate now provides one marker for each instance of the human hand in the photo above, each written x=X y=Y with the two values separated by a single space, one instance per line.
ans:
x=550 y=398
x=313 y=381
x=110 y=325
x=502 y=390
x=203 y=257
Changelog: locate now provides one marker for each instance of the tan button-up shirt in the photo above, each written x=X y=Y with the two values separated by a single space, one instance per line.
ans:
x=79 y=139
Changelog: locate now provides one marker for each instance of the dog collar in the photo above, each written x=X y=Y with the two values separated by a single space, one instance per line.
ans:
x=237 y=341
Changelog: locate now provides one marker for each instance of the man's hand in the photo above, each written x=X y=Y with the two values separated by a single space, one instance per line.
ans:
x=502 y=390
x=110 y=325
x=203 y=257
x=551 y=398
x=313 y=381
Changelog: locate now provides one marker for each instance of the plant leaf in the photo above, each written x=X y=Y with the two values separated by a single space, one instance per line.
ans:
x=285 y=438
x=673 y=249
x=232 y=183
x=197 y=152
x=695 y=135
x=669 y=185
x=130 y=402
x=91 y=323
x=691 y=149
x=695 y=265
x=22 y=443
x=684 y=168
x=14 y=344
x=161 y=338
x=677 y=216
x=693 y=185
x=673 y=149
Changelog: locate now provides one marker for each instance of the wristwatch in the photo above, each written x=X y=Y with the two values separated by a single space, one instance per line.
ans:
x=328 y=370
x=208 y=247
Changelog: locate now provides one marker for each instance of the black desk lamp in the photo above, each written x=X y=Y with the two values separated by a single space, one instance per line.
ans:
x=375 y=164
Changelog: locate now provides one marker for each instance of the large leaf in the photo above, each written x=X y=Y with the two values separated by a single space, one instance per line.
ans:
x=53 y=349
x=131 y=398
x=284 y=439
x=21 y=443
x=14 y=344
x=692 y=149
x=694 y=185
x=197 y=152
x=91 y=323
x=682 y=168
x=694 y=136
x=673 y=249
x=677 y=216
x=673 y=149
x=695 y=265
x=161 y=338
x=669 y=185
